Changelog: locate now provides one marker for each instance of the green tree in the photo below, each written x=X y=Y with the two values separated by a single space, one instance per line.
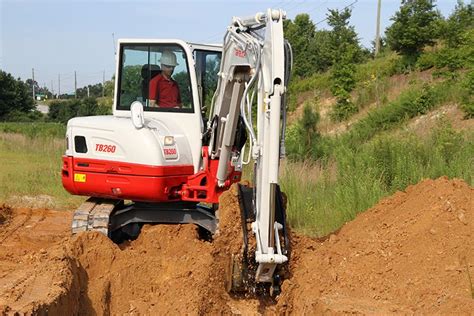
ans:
x=309 y=122
x=303 y=138
x=95 y=91
x=300 y=33
x=182 y=78
x=109 y=87
x=455 y=27
x=131 y=84
x=320 y=47
x=346 y=52
x=30 y=83
x=415 y=25
x=343 y=37
x=14 y=96
x=88 y=107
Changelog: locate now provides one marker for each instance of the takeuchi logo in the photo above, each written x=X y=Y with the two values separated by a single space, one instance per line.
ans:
x=240 y=53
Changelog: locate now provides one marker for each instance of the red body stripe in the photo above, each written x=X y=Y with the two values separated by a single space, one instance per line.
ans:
x=128 y=181
x=119 y=167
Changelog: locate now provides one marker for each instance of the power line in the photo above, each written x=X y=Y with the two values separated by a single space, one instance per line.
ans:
x=291 y=8
x=221 y=34
x=313 y=8
x=280 y=3
x=347 y=6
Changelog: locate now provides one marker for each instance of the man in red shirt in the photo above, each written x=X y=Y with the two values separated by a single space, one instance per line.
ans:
x=164 y=91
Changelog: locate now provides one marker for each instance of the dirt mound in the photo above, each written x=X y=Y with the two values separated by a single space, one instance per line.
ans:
x=163 y=271
x=413 y=252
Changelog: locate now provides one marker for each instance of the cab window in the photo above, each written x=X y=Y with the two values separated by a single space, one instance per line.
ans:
x=157 y=75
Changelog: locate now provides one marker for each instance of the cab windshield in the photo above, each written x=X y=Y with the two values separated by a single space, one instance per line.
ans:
x=157 y=75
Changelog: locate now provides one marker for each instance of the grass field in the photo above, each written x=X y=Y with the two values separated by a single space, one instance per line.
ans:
x=30 y=163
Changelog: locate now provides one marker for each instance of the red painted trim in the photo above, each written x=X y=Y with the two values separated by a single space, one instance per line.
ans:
x=100 y=182
x=202 y=186
x=125 y=168
x=120 y=180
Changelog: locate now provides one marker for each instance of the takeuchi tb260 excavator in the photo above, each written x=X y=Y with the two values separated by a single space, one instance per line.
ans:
x=148 y=163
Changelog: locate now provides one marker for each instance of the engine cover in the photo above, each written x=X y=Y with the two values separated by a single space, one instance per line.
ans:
x=108 y=157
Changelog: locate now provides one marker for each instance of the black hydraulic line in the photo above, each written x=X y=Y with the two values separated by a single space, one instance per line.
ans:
x=243 y=221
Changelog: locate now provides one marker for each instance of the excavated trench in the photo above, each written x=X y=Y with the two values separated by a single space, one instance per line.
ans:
x=413 y=252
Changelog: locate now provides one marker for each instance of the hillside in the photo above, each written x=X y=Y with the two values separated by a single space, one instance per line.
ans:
x=376 y=93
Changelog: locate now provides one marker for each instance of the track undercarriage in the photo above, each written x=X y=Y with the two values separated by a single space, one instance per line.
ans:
x=120 y=221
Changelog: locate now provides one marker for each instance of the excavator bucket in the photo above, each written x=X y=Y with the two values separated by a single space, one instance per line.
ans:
x=242 y=266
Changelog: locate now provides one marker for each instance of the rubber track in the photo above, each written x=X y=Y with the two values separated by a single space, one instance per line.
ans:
x=93 y=215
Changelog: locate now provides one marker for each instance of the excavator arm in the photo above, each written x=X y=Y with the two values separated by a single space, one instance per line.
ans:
x=255 y=61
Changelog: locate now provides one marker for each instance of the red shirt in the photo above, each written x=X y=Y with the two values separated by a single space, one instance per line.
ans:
x=165 y=92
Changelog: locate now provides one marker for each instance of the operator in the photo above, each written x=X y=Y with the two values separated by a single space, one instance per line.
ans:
x=164 y=91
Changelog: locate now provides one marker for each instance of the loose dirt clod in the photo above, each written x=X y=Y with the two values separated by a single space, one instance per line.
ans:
x=411 y=253
x=5 y=213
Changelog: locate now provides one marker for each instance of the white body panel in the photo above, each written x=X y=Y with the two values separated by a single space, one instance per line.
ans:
x=139 y=146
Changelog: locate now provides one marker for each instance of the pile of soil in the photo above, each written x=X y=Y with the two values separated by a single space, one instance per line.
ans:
x=411 y=253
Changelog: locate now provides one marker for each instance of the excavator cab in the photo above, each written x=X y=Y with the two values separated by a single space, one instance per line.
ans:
x=195 y=74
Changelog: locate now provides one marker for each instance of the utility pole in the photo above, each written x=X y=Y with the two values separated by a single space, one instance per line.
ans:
x=103 y=84
x=377 y=35
x=33 y=83
x=88 y=95
x=52 y=90
x=75 y=85
x=59 y=86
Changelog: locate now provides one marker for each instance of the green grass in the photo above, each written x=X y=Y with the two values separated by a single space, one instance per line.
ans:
x=323 y=196
x=31 y=166
x=35 y=129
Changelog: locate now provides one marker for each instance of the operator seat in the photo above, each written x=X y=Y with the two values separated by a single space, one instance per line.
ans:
x=148 y=73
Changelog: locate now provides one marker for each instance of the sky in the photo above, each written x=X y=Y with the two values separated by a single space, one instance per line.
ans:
x=59 y=37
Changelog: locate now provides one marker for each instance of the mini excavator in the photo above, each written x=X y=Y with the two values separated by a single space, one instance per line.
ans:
x=169 y=165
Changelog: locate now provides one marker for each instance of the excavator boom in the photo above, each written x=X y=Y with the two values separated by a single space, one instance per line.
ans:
x=253 y=62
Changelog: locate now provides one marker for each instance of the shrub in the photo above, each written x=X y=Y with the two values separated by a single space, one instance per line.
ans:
x=344 y=107
x=427 y=61
x=303 y=138
x=467 y=103
x=63 y=111
x=19 y=116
